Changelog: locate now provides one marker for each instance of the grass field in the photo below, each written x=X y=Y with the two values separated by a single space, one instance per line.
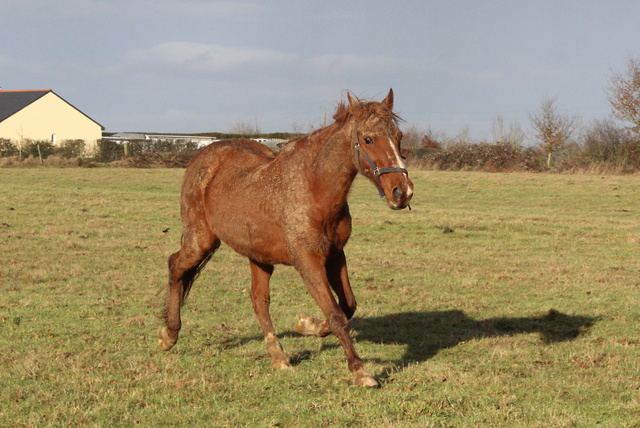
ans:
x=500 y=300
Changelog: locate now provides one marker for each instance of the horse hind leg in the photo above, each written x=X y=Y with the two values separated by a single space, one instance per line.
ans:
x=184 y=267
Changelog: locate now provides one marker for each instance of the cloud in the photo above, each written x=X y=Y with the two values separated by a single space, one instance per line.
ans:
x=484 y=76
x=190 y=58
x=16 y=71
x=134 y=8
x=343 y=65
x=7 y=61
x=213 y=61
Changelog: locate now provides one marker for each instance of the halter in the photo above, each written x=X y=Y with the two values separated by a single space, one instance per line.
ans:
x=377 y=172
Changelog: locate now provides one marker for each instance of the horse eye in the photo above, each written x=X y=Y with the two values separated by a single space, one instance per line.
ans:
x=368 y=140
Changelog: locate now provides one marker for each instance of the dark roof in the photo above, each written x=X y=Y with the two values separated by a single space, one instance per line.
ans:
x=12 y=102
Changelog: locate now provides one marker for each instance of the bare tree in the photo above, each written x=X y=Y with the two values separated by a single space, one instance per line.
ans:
x=432 y=139
x=304 y=128
x=498 y=128
x=551 y=128
x=245 y=128
x=513 y=134
x=412 y=137
x=516 y=134
x=462 y=138
x=624 y=94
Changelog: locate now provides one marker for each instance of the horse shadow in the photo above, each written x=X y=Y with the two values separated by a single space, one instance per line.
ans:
x=426 y=333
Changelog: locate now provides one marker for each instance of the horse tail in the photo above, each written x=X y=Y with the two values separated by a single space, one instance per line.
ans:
x=191 y=275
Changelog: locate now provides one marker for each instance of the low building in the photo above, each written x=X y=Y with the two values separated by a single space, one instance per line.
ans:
x=42 y=115
x=125 y=137
x=199 y=140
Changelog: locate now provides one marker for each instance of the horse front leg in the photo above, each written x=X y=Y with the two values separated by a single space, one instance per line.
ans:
x=312 y=268
x=338 y=277
x=260 y=275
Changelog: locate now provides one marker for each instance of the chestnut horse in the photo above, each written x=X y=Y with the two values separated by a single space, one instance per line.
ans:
x=290 y=208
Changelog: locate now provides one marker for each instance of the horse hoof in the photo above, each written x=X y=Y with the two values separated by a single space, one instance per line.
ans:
x=310 y=326
x=303 y=326
x=164 y=340
x=363 y=378
x=285 y=365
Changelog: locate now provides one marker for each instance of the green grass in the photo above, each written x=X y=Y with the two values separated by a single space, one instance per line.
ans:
x=500 y=300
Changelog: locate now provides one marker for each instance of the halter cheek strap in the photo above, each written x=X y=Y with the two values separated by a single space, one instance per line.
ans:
x=377 y=172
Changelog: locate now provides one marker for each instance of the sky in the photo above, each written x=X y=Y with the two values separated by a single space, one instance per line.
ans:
x=189 y=66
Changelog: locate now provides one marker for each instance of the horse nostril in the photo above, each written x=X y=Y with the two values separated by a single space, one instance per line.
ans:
x=397 y=193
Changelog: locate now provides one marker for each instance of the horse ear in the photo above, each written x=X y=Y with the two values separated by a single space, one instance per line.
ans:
x=388 y=102
x=353 y=102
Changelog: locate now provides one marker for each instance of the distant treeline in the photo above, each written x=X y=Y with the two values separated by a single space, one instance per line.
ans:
x=226 y=136
x=601 y=150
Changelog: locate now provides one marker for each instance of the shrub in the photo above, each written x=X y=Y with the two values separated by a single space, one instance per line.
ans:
x=7 y=148
x=108 y=151
x=430 y=142
x=37 y=149
x=616 y=147
x=70 y=149
x=146 y=153
x=484 y=156
x=155 y=160
x=605 y=148
x=160 y=146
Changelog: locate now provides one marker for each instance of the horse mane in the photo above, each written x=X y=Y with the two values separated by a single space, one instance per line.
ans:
x=360 y=112
x=363 y=110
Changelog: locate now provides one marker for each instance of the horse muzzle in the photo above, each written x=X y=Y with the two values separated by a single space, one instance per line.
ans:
x=400 y=195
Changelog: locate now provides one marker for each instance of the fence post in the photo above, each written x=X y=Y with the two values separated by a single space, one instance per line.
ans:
x=39 y=153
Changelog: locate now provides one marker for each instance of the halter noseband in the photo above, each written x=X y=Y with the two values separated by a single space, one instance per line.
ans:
x=377 y=172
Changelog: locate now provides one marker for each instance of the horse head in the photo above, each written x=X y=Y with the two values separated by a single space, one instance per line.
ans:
x=376 y=149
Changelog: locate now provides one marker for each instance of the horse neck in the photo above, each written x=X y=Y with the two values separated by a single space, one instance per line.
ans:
x=332 y=165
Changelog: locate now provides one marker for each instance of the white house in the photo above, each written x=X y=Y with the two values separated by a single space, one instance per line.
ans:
x=42 y=115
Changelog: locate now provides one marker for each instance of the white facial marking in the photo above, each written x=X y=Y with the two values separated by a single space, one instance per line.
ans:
x=399 y=162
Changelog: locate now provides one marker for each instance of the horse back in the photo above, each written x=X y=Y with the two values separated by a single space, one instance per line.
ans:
x=250 y=152
x=219 y=159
